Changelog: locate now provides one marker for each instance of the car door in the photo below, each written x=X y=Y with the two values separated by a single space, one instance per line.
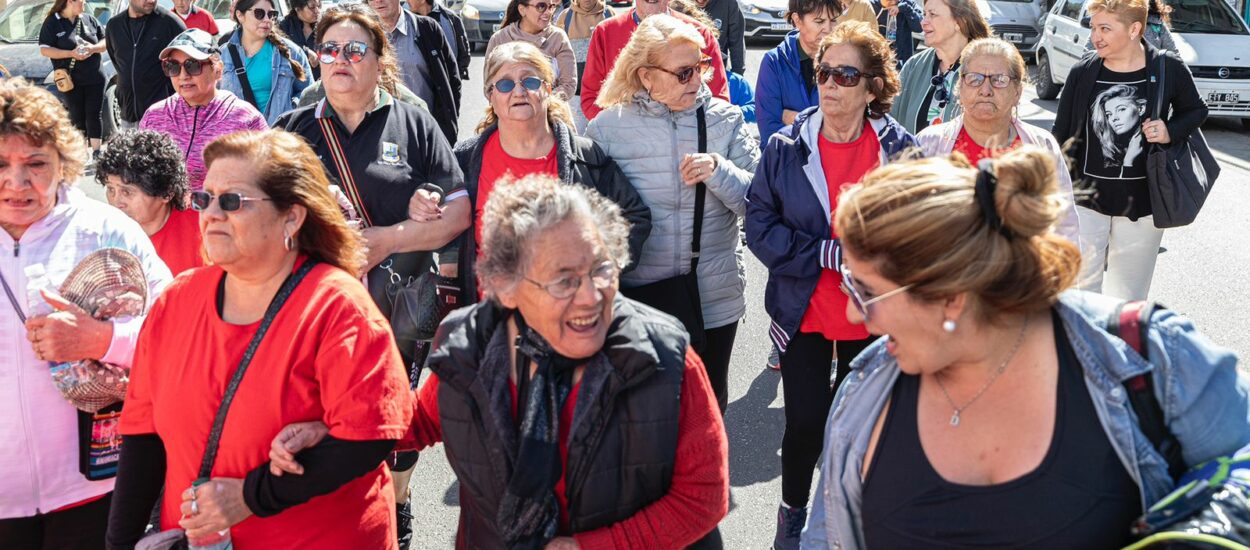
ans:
x=1067 y=39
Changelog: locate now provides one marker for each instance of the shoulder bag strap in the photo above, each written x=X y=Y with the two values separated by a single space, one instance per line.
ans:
x=700 y=196
x=1163 y=69
x=77 y=31
x=214 y=436
x=340 y=164
x=568 y=18
x=240 y=71
x=12 y=299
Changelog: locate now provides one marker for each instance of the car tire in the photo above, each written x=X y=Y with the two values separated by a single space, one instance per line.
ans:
x=110 y=115
x=1044 y=82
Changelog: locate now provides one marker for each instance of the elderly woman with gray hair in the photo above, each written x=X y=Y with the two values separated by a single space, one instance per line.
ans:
x=573 y=416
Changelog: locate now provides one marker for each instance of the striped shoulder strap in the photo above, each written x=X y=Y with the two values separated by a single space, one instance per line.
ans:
x=340 y=163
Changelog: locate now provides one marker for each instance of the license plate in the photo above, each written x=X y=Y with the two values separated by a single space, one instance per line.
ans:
x=780 y=26
x=1223 y=97
x=1013 y=37
x=494 y=28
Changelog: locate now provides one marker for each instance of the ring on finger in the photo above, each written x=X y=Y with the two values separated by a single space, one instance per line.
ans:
x=195 y=507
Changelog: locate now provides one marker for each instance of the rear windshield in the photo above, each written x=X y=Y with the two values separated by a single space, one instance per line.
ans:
x=1204 y=16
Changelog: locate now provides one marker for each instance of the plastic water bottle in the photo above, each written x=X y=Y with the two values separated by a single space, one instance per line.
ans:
x=215 y=541
x=37 y=280
x=891 y=28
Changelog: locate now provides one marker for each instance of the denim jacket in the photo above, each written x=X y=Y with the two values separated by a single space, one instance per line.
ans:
x=286 y=88
x=1196 y=382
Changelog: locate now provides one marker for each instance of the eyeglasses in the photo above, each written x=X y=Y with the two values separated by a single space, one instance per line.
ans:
x=686 y=73
x=999 y=81
x=229 y=202
x=506 y=85
x=543 y=6
x=851 y=290
x=842 y=75
x=353 y=51
x=262 y=15
x=173 y=68
x=602 y=277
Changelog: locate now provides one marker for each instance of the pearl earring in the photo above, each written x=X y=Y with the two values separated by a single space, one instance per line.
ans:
x=948 y=326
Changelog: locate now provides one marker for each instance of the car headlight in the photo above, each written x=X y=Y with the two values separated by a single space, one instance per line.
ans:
x=469 y=12
x=754 y=10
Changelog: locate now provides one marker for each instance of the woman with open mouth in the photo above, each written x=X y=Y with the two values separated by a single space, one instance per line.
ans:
x=530 y=21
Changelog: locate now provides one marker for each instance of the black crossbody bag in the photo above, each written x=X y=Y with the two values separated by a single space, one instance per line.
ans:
x=1180 y=174
x=679 y=296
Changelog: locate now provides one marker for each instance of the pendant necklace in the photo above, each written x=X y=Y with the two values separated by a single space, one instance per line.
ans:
x=988 y=383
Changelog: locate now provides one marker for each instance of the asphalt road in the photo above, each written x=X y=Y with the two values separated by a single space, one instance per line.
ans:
x=1202 y=272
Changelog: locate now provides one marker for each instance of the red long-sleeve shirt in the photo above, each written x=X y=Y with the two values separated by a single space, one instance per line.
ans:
x=611 y=36
x=698 y=497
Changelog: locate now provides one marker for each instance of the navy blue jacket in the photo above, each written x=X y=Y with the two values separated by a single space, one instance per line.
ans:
x=788 y=223
x=908 y=20
x=780 y=86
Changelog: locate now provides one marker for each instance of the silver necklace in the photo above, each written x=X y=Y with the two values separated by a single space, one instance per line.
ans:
x=988 y=383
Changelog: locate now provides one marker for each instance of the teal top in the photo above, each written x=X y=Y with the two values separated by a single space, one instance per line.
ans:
x=260 y=75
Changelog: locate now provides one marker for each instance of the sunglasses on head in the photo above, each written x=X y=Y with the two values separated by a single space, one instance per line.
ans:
x=858 y=298
x=543 y=6
x=229 y=202
x=842 y=75
x=262 y=14
x=998 y=81
x=505 y=85
x=353 y=51
x=173 y=68
x=686 y=73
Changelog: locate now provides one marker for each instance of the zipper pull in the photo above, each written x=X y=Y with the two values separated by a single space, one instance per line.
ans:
x=17 y=248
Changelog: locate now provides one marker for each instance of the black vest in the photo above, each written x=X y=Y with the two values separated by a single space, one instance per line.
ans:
x=623 y=438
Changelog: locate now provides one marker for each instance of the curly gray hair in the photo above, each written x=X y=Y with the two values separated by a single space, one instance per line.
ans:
x=519 y=210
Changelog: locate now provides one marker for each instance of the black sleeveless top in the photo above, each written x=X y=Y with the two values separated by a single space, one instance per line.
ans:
x=1079 y=497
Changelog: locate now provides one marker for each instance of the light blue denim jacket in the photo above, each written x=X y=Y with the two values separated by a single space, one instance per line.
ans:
x=286 y=88
x=1206 y=402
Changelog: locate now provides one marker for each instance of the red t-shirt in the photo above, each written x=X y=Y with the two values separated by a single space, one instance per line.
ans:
x=966 y=145
x=200 y=19
x=329 y=356
x=843 y=164
x=178 y=242
x=497 y=163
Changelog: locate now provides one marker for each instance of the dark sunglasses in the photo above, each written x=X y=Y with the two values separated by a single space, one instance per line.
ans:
x=262 y=15
x=173 y=68
x=842 y=75
x=998 y=81
x=685 y=74
x=353 y=51
x=505 y=85
x=229 y=202
x=543 y=6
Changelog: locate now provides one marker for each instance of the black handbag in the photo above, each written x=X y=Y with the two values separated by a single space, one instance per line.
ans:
x=1179 y=174
x=679 y=296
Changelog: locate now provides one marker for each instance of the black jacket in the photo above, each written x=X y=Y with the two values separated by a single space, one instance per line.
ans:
x=580 y=161
x=140 y=82
x=444 y=74
x=1180 y=98
x=727 y=16
x=461 y=38
x=622 y=445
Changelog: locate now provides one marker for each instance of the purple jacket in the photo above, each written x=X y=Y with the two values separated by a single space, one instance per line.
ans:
x=194 y=127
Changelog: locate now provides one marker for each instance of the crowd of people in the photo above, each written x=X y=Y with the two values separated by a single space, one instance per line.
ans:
x=940 y=277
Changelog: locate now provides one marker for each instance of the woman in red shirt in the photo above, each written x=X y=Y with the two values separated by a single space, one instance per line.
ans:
x=144 y=176
x=572 y=416
x=266 y=210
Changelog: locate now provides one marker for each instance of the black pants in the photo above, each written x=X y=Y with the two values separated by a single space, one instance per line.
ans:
x=84 y=104
x=805 y=367
x=717 y=352
x=78 y=528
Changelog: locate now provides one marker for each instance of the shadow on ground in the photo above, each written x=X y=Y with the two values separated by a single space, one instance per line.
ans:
x=754 y=429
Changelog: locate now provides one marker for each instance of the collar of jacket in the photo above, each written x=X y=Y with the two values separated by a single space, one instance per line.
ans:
x=648 y=106
x=566 y=154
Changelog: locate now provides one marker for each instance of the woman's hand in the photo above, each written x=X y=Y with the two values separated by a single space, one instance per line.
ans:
x=313 y=59
x=788 y=116
x=379 y=242
x=68 y=334
x=563 y=543
x=1156 y=131
x=293 y=439
x=1133 y=153
x=424 y=206
x=697 y=167
x=213 y=507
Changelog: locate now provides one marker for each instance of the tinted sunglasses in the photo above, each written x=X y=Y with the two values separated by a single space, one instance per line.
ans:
x=353 y=51
x=173 y=68
x=229 y=202
x=685 y=74
x=940 y=93
x=842 y=75
x=505 y=85
x=262 y=15
x=998 y=81
x=543 y=6
x=852 y=291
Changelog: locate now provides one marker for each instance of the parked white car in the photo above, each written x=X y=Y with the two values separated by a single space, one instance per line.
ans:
x=1211 y=39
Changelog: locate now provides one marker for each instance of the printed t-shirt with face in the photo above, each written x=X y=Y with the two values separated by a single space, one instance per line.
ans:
x=1115 y=149
x=843 y=164
x=178 y=241
x=496 y=164
x=328 y=356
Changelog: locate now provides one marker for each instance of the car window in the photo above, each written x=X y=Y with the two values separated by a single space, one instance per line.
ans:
x=1203 y=16
x=22 y=22
x=1071 y=8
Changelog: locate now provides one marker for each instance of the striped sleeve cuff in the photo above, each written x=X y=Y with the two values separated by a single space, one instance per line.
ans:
x=829 y=253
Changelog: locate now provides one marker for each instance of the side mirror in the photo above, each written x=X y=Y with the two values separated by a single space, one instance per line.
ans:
x=1085 y=21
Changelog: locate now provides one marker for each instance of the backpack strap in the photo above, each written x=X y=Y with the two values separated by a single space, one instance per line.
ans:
x=240 y=71
x=1131 y=322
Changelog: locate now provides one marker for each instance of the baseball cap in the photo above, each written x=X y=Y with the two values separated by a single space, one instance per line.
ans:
x=193 y=42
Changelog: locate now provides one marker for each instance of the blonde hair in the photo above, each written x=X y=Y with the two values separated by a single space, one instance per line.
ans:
x=33 y=113
x=648 y=47
x=691 y=9
x=918 y=222
x=1126 y=11
x=878 y=59
x=996 y=47
x=558 y=109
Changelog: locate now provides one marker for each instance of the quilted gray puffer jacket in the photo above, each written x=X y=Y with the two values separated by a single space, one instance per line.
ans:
x=648 y=141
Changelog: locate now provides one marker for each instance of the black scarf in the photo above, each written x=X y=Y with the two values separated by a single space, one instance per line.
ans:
x=529 y=512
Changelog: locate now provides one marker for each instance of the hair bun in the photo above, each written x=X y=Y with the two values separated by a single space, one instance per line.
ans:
x=1025 y=196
